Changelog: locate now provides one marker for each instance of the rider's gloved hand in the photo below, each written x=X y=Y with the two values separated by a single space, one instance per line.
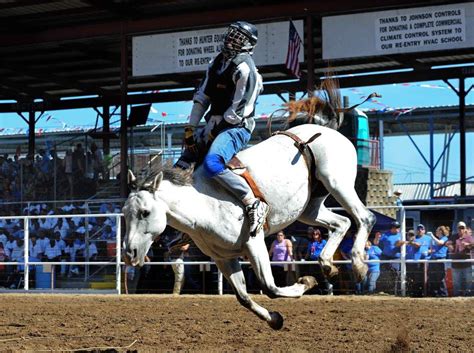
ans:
x=189 y=140
x=222 y=125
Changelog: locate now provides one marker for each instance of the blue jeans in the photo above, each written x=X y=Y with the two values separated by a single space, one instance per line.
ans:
x=228 y=143
x=462 y=281
x=370 y=282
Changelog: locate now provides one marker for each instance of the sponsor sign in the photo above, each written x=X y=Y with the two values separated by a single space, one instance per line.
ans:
x=192 y=51
x=399 y=31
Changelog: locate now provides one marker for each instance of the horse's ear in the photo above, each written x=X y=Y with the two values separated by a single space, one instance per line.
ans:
x=131 y=179
x=157 y=181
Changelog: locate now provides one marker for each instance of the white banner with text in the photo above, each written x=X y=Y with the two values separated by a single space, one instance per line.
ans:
x=399 y=31
x=192 y=50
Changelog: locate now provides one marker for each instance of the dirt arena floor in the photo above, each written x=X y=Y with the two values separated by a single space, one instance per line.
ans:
x=109 y=323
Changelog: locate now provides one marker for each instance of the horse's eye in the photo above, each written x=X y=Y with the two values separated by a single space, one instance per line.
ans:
x=145 y=214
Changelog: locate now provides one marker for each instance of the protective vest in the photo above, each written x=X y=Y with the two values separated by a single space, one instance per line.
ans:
x=220 y=86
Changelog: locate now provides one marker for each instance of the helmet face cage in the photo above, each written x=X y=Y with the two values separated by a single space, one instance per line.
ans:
x=236 y=41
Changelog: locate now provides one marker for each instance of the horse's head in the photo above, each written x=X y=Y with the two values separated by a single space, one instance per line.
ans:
x=145 y=219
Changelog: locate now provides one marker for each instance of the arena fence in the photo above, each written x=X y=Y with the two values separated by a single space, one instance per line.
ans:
x=206 y=265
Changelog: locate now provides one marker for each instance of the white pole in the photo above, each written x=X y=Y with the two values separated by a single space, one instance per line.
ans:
x=220 y=289
x=25 y=256
x=118 y=254
x=403 y=264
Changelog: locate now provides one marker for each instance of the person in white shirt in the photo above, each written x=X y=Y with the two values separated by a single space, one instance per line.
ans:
x=93 y=251
x=18 y=251
x=108 y=233
x=9 y=224
x=35 y=249
x=61 y=243
x=48 y=223
x=62 y=227
x=3 y=237
x=52 y=251
x=43 y=240
x=10 y=245
x=82 y=228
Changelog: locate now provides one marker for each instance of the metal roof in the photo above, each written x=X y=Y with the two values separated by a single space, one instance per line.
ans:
x=417 y=121
x=421 y=191
x=55 y=49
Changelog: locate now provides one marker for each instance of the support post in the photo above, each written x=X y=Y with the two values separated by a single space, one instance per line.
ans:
x=461 y=92
x=403 y=264
x=118 y=254
x=462 y=134
x=106 y=129
x=309 y=55
x=170 y=146
x=431 y=124
x=381 y=137
x=220 y=285
x=123 y=115
x=26 y=227
x=31 y=132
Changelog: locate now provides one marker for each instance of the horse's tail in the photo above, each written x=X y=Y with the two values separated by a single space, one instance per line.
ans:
x=333 y=104
x=323 y=109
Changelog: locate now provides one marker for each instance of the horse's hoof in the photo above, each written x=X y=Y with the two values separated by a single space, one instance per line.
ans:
x=360 y=272
x=277 y=320
x=308 y=282
x=330 y=270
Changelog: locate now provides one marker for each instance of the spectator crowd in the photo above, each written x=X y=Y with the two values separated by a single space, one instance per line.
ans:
x=62 y=238
x=422 y=278
x=33 y=177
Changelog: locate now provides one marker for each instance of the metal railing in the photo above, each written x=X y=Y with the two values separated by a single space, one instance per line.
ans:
x=118 y=256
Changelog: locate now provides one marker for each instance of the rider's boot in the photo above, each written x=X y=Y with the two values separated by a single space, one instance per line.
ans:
x=256 y=209
x=257 y=212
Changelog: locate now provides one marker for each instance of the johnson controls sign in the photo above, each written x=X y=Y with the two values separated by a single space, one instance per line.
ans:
x=399 y=31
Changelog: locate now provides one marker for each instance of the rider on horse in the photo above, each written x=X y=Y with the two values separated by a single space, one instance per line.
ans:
x=230 y=90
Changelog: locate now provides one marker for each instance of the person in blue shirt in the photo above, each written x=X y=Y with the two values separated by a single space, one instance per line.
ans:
x=373 y=252
x=412 y=253
x=436 y=271
x=390 y=243
x=417 y=249
x=315 y=246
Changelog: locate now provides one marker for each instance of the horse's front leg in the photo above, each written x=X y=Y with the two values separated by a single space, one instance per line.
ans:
x=232 y=270
x=257 y=253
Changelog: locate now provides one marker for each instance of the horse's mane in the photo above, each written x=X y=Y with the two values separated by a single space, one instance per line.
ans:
x=174 y=175
x=326 y=105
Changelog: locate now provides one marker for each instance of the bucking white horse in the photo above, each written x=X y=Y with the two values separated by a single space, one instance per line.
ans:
x=217 y=222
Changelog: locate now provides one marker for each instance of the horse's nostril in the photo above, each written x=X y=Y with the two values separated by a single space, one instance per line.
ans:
x=134 y=252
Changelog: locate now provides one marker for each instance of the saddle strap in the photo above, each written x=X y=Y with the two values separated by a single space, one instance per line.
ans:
x=302 y=146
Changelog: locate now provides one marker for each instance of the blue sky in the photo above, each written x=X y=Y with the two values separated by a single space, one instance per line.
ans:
x=400 y=155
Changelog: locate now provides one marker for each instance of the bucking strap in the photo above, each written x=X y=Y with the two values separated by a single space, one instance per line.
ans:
x=235 y=164
x=302 y=146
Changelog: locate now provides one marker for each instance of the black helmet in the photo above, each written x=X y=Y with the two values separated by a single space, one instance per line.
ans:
x=395 y=224
x=240 y=37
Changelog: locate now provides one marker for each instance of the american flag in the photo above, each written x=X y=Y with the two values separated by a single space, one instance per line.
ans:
x=294 y=45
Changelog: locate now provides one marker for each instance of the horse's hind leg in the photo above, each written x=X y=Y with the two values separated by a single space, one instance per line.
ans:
x=232 y=270
x=258 y=256
x=345 y=194
x=317 y=214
